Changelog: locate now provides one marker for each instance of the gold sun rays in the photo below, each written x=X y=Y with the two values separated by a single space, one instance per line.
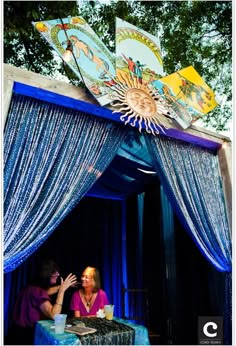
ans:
x=140 y=104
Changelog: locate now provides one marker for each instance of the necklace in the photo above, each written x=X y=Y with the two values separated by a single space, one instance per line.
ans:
x=88 y=301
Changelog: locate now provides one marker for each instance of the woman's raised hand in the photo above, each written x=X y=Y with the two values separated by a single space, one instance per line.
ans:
x=70 y=280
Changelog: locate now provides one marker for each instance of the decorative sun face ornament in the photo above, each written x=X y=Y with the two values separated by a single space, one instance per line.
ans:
x=141 y=106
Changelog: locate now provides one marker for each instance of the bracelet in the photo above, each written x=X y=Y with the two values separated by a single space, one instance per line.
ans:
x=58 y=304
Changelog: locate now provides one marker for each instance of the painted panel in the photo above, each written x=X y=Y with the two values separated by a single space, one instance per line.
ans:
x=187 y=93
x=79 y=46
x=138 y=53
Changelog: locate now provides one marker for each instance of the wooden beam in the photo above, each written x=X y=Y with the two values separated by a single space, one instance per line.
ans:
x=16 y=74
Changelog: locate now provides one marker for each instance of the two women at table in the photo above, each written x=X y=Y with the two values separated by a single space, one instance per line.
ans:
x=90 y=297
x=34 y=302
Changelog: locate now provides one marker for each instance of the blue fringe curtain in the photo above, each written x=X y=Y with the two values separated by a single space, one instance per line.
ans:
x=52 y=157
x=191 y=178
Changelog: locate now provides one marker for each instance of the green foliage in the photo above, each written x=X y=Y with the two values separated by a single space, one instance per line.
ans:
x=197 y=33
x=23 y=45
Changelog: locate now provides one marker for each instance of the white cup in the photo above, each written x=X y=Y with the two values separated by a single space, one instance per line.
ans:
x=60 y=321
x=109 y=311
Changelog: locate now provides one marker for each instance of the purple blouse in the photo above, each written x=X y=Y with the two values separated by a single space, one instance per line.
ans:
x=77 y=304
x=27 y=308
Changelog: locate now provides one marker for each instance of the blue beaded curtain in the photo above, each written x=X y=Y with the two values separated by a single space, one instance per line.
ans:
x=52 y=157
x=190 y=176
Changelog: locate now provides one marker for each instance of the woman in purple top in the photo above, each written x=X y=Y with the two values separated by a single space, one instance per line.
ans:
x=90 y=298
x=34 y=302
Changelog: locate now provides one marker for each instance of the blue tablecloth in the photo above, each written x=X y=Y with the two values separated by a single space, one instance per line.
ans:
x=141 y=332
x=45 y=334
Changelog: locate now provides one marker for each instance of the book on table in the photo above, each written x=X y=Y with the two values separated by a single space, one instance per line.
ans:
x=80 y=330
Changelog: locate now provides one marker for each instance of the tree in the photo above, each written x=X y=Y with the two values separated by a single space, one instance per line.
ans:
x=23 y=45
x=197 y=33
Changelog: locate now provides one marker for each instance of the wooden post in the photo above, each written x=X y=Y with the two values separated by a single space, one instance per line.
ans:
x=8 y=86
x=225 y=162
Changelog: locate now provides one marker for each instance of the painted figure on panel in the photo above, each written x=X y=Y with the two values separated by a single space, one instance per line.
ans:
x=100 y=63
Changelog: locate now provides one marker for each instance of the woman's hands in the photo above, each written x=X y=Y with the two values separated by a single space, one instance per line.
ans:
x=50 y=310
x=71 y=280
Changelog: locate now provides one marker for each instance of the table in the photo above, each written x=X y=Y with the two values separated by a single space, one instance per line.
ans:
x=115 y=332
x=141 y=332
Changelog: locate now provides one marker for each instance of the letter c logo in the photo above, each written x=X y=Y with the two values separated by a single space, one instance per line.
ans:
x=205 y=329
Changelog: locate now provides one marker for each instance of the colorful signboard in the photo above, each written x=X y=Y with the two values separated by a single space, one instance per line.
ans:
x=133 y=81
x=187 y=94
x=75 y=41
x=138 y=53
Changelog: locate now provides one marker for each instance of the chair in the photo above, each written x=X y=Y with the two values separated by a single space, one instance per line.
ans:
x=135 y=308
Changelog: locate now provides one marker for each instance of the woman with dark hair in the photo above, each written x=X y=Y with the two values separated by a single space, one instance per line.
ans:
x=34 y=302
x=90 y=298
